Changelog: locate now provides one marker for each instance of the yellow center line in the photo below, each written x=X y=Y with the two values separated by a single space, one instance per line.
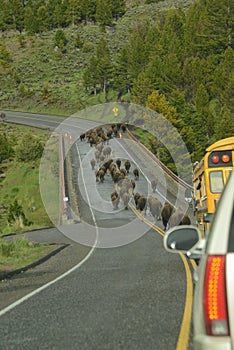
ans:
x=182 y=343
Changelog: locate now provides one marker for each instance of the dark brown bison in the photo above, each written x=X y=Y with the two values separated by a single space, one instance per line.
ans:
x=133 y=185
x=118 y=163
x=100 y=175
x=117 y=176
x=136 y=174
x=136 y=197
x=178 y=218
x=166 y=213
x=141 y=204
x=127 y=165
x=123 y=171
x=82 y=137
x=115 y=200
x=107 y=163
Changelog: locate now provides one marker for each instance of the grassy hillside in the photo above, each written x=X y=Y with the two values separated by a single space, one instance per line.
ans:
x=39 y=77
x=19 y=181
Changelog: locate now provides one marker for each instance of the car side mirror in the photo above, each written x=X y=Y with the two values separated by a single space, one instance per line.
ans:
x=181 y=239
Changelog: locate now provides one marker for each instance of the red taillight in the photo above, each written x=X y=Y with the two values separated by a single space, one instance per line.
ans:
x=215 y=159
x=215 y=301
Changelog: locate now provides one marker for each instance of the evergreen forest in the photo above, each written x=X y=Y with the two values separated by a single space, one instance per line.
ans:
x=174 y=57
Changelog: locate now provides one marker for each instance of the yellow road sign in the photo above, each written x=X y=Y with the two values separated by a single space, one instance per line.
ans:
x=115 y=110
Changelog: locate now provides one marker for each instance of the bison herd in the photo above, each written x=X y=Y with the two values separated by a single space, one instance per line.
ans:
x=125 y=176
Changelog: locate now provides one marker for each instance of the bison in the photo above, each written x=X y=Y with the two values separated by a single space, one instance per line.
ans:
x=136 y=197
x=155 y=207
x=127 y=165
x=115 y=200
x=125 y=199
x=154 y=185
x=118 y=163
x=93 y=163
x=141 y=204
x=178 y=218
x=136 y=174
x=106 y=151
x=82 y=137
x=166 y=213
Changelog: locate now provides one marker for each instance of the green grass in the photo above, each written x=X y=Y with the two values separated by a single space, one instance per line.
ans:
x=143 y=136
x=20 y=252
x=21 y=183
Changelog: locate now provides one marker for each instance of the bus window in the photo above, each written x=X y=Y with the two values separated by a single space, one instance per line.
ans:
x=216 y=181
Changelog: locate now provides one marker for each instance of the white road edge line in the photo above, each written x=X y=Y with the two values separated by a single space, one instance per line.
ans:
x=38 y=290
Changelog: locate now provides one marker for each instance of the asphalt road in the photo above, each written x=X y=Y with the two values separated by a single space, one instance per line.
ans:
x=131 y=296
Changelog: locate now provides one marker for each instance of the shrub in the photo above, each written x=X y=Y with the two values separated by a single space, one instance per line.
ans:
x=29 y=148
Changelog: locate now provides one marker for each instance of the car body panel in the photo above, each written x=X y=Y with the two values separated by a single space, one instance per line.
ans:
x=219 y=241
x=230 y=292
x=217 y=244
x=219 y=233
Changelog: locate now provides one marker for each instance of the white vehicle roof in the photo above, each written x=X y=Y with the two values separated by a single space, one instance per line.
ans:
x=221 y=236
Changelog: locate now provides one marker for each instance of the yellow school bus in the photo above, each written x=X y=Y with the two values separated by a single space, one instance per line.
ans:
x=209 y=179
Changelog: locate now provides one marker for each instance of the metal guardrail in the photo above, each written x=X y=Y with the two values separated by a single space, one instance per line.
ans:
x=163 y=166
x=63 y=204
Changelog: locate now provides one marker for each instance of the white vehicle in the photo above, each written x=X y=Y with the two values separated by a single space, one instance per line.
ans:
x=213 y=304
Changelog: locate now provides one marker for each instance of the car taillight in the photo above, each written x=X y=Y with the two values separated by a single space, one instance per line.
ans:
x=215 y=300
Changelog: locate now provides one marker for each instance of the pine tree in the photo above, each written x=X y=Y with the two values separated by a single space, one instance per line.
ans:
x=104 y=13
x=222 y=83
x=5 y=58
x=18 y=14
x=142 y=88
x=60 y=40
x=209 y=27
x=104 y=65
x=118 y=8
x=90 y=76
x=137 y=53
x=195 y=72
x=158 y=102
x=74 y=11
x=78 y=41
x=29 y=148
x=43 y=19
x=172 y=33
x=88 y=9
x=58 y=10
x=121 y=78
x=6 y=19
x=225 y=127
x=30 y=20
